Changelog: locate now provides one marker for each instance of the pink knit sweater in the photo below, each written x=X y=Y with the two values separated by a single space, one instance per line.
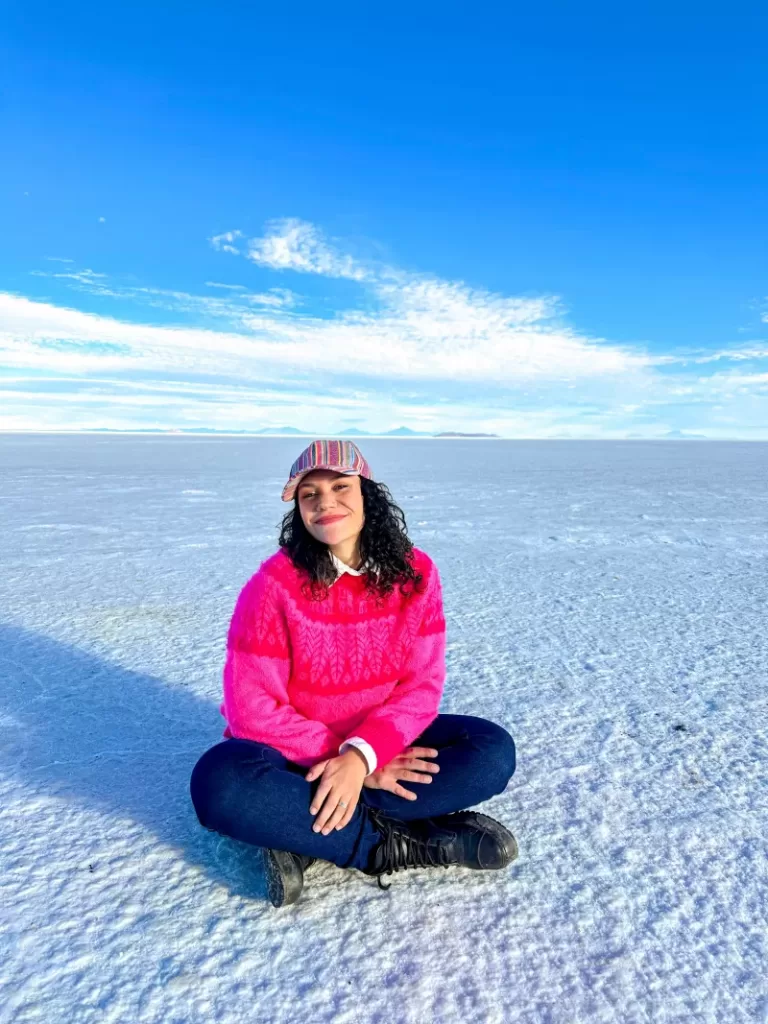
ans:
x=303 y=676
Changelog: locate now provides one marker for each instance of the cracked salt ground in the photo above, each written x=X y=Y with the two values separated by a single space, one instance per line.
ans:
x=630 y=665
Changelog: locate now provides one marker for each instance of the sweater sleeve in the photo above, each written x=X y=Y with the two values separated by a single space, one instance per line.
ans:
x=413 y=704
x=256 y=673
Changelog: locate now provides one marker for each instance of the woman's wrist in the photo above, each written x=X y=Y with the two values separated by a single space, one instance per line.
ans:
x=355 y=756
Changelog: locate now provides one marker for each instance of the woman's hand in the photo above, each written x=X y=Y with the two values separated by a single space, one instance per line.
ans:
x=341 y=779
x=409 y=766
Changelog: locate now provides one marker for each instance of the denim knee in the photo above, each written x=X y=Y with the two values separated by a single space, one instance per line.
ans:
x=500 y=755
x=213 y=784
x=202 y=785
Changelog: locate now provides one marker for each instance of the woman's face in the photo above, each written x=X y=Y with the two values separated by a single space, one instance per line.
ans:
x=323 y=494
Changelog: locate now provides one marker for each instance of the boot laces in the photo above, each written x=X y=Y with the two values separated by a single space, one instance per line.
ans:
x=401 y=849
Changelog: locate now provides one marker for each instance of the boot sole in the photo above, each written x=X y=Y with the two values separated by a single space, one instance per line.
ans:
x=285 y=878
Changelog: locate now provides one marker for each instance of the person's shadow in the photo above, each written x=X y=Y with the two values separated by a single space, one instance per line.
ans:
x=79 y=728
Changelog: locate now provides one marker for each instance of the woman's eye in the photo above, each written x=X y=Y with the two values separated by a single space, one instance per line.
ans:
x=310 y=494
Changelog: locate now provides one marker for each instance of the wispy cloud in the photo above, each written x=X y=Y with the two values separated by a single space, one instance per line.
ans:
x=415 y=349
x=83 y=277
x=239 y=303
x=78 y=403
x=425 y=327
x=292 y=244
x=739 y=353
x=226 y=242
x=422 y=329
x=277 y=298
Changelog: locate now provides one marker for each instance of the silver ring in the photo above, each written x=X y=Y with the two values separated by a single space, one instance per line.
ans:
x=342 y=803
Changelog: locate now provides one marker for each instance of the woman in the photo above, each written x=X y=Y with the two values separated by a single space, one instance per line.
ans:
x=334 y=671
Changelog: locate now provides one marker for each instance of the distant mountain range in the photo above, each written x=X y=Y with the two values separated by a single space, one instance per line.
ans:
x=451 y=433
x=283 y=432
x=671 y=435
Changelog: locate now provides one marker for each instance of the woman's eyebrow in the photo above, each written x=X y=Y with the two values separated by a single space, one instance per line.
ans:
x=309 y=488
x=336 y=480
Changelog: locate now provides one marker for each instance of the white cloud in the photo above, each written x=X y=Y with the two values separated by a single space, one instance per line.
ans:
x=292 y=244
x=500 y=348
x=750 y=350
x=226 y=242
x=428 y=327
x=234 y=307
x=102 y=220
x=58 y=259
x=421 y=350
x=124 y=404
x=277 y=298
x=84 y=277
x=733 y=381
x=424 y=329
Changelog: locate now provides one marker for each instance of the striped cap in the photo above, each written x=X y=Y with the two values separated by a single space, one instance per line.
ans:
x=341 y=456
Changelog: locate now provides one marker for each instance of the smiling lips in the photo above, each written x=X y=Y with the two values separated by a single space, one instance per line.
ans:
x=327 y=519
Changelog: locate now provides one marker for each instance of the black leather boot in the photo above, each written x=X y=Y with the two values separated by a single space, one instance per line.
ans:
x=285 y=875
x=464 y=838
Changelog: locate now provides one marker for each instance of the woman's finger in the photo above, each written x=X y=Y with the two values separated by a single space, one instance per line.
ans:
x=409 y=755
x=325 y=812
x=348 y=816
x=422 y=766
x=406 y=776
x=318 y=800
x=337 y=814
x=399 y=790
x=390 y=783
x=316 y=771
x=421 y=752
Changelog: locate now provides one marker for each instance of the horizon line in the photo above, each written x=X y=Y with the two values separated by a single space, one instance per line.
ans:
x=444 y=436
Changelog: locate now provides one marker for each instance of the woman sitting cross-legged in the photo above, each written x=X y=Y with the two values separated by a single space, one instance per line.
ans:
x=334 y=671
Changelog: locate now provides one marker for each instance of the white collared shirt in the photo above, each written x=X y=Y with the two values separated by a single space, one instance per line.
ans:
x=342 y=567
x=362 y=745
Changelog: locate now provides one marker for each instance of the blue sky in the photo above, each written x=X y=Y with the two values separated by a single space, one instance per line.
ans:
x=535 y=222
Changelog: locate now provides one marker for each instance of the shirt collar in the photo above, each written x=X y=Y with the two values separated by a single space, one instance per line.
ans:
x=342 y=567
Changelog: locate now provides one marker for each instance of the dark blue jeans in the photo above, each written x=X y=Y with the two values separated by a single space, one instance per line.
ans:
x=250 y=792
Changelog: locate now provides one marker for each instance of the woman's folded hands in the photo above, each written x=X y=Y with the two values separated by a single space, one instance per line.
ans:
x=342 y=779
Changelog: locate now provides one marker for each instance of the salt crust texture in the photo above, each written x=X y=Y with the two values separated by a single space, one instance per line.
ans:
x=606 y=602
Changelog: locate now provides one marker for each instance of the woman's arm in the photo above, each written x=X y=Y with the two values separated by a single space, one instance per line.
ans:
x=256 y=674
x=413 y=704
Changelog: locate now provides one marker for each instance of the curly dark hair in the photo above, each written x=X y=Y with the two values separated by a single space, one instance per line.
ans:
x=384 y=543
